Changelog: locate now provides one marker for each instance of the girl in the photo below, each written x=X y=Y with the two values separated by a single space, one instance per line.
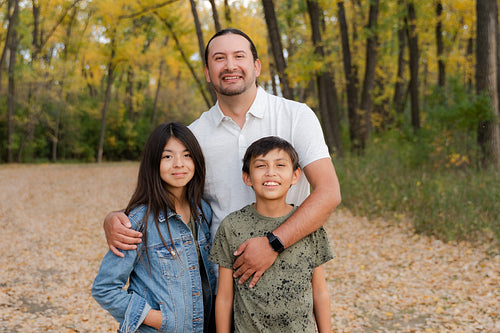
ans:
x=171 y=281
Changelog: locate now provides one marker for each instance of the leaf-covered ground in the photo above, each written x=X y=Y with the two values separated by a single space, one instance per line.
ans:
x=384 y=279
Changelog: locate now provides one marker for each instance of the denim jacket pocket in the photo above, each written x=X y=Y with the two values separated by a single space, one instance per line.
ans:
x=168 y=323
x=171 y=265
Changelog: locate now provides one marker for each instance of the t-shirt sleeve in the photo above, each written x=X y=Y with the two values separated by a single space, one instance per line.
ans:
x=221 y=252
x=324 y=251
x=308 y=137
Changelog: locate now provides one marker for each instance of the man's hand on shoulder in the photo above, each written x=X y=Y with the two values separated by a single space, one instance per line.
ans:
x=255 y=257
x=118 y=233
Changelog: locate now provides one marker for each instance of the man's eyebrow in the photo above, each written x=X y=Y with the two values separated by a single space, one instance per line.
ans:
x=224 y=53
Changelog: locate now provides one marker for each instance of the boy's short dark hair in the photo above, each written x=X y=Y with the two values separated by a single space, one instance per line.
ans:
x=263 y=146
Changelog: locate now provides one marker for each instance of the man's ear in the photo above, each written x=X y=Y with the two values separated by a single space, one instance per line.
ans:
x=207 y=75
x=258 y=67
x=247 y=179
x=296 y=176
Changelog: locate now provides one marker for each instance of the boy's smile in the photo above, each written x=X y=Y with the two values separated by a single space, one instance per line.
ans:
x=271 y=175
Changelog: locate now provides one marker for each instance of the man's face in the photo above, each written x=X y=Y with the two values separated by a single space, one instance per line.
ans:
x=230 y=67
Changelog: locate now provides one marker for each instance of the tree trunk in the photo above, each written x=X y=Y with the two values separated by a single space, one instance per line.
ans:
x=276 y=46
x=351 y=77
x=35 y=41
x=440 y=44
x=398 y=99
x=201 y=45
x=215 y=16
x=369 y=79
x=199 y=83
x=272 y=69
x=157 y=94
x=488 y=133
x=413 y=47
x=55 y=139
x=470 y=57
x=227 y=13
x=326 y=85
x=107 y=98
x=129 y=90
x=6 y=45
x=13 y=43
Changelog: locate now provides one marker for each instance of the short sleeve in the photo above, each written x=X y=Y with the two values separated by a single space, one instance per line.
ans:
x=221 y=252
x=308 y=137
x=324 y=251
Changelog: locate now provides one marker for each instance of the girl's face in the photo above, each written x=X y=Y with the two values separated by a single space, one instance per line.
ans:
x=176 y=166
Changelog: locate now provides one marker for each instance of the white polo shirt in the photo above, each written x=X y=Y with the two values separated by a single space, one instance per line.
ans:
x=224 y=144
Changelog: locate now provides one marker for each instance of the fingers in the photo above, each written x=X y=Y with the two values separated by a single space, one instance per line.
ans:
x=241 y=248
x=242 y=270
x=246 y=275
x=118 y=233
x=255 y=257
x=124 y=239
x=256 y=278
x=238 y=263
x=124 y=219
x=245 y=272
x=116 y=251
x=126 y=235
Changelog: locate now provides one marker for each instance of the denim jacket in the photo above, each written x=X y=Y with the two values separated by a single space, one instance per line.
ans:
x=171 y=283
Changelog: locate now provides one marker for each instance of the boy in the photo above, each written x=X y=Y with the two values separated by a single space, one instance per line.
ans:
x=294 y=287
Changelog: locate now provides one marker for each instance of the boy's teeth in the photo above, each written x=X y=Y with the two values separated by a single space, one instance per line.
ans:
x=271 y=183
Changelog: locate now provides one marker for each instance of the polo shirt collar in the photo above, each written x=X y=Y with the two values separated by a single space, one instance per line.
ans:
x=257 y=108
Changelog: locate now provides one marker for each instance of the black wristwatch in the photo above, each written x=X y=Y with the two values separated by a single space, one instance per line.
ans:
x=275 y=242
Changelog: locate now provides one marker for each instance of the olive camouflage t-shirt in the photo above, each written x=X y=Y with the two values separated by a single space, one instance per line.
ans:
x=281 y=301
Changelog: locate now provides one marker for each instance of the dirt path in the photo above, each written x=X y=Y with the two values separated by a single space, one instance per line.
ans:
x=384 y=279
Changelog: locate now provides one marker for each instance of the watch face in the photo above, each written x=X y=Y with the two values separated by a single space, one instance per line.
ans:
x=275 y=242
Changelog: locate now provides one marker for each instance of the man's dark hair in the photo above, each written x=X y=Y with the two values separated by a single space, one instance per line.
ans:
x=234 y=32
x=263 y=146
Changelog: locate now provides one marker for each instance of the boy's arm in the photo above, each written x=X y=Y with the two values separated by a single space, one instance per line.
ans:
x=118 y=233
x=224 y=301
x=256 y=255
x=321 y=300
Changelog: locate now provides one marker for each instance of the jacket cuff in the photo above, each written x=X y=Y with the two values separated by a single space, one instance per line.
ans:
x=136 y=312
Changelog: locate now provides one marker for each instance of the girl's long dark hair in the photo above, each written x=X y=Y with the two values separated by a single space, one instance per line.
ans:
x=151 y=190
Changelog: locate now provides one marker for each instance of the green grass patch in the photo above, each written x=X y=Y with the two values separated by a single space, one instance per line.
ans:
x=397 y=177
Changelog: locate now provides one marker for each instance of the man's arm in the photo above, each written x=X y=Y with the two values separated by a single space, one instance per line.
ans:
x=256 y=255
x=224 y=301
x=118 y=233
x=315 y=210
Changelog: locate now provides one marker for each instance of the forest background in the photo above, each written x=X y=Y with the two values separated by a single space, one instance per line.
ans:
x=406 y=91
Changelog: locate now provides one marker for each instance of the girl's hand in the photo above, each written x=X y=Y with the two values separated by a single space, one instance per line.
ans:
x=118 y=233
x=153 y=319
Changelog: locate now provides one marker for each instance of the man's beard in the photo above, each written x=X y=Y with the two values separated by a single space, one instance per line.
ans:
x=228 y=91
x=232 y=90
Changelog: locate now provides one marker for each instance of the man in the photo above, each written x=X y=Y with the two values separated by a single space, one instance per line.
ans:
x=244 y=112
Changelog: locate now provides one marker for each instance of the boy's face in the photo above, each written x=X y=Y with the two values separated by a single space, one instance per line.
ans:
x=271 y=175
